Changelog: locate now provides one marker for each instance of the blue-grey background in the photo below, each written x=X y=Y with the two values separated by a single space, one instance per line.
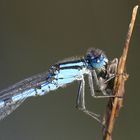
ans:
x=36 y=34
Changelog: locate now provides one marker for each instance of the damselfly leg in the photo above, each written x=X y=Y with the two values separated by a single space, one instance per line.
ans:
x=100 y=85
x=80 y=102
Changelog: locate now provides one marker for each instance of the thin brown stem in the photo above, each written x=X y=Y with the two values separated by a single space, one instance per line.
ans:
x=115 y=104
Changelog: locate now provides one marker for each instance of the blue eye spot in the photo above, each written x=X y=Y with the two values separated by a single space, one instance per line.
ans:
x=98 y=62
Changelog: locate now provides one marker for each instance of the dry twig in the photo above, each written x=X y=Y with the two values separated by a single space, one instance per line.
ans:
x=114 y=105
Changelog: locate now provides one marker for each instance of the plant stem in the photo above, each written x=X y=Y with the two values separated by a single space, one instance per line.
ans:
x=115 y=104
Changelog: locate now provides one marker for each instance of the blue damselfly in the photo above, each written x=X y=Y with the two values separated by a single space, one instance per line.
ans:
x=99 y=70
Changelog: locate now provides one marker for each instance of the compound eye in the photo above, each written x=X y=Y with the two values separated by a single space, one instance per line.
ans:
x=98 y=61
x=94 y=60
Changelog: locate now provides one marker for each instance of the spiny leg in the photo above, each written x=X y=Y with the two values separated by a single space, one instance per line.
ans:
x=100 y=85
x=79 y=96
x=80 y=102
x=112 y=67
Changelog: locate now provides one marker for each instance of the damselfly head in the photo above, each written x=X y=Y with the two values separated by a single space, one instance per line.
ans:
x=96 y=58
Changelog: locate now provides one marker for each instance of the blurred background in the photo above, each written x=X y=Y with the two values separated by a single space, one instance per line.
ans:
x=37 y=34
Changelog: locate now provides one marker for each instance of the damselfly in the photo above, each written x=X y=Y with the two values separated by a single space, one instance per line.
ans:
x=99 y=70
